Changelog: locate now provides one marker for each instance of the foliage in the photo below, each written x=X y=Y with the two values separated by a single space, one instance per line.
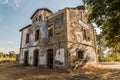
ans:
x=106 y=14
x=100 y=45
x=12 y=54
x=1 y=54
x=110 y=58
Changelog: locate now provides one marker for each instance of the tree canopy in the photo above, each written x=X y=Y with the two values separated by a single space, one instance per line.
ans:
x=106 y=14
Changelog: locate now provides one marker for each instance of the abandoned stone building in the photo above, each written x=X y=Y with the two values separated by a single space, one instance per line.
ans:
x=58 y=40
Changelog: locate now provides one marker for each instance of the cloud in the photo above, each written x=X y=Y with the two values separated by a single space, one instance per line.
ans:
x=5 y=2
x=7 y=50
x=12 y=46
x=98 y=30
x=11 y=42
x=14 y=2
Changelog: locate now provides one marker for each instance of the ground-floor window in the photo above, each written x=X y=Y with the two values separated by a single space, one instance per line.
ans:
x=80 y=54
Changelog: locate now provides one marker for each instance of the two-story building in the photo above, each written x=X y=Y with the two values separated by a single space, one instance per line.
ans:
x=58 y=40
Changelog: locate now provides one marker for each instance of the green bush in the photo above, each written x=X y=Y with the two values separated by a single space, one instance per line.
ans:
x=110 y=58
x=12 y=54
x=2 y=54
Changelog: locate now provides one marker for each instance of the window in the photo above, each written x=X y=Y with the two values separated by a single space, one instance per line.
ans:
x=81 y=16
x=50 y=31
x=27 y=38
x=33 y=20
x=36 y=35
x=88 y=38
x=36 y=19
x=80 y=54
x=40 y=18
x=59 y=21
x=84 y=34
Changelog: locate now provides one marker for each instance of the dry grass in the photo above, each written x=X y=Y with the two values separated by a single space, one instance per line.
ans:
x=7 y=58
x=12 y=71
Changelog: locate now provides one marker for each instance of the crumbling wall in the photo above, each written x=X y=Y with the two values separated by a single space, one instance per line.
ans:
x=42 y=57
x=77 y=23
x=59 y=37
x=59 y=57
x=30 y=51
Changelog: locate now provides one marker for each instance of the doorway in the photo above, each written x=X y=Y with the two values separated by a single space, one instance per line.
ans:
x=26 y=58
x=50 y=58
x=35 y=60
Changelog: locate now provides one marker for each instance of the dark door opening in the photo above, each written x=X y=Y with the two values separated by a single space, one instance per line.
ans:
x=50 y=58
x=26 y=58
x=35 y=61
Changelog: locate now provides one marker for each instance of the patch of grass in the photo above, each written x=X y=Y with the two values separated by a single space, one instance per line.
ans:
x=7 y=60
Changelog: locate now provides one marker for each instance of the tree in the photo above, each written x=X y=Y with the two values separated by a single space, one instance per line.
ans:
x=101 y=47
x=12 y=54
x=1 y=54
x=106 y=14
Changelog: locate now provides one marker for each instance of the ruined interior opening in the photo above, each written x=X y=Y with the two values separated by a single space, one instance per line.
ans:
x=26 y=58
x=50 y=58
x=50 y=31
x=36 y=35
x=80 y=54
x=36 y=55
x=27 y=38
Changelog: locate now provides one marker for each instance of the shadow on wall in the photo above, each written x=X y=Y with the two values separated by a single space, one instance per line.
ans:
x=78 y=55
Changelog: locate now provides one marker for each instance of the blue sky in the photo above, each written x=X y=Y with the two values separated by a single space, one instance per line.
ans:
x=15 y=14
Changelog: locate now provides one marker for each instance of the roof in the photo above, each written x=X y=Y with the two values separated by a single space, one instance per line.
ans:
x=78 y=7
x=81 y=7
x=40 y=9
x=25 y=27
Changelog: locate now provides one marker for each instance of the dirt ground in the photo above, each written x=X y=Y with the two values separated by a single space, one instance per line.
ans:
x=12 y=71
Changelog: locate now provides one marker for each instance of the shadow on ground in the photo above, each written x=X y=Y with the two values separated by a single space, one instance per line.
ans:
x=12 y=71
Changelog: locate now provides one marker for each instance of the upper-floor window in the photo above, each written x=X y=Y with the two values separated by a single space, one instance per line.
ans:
x=27 y=38
x=40 y=18
x=84 y=34
x=50 y=31
x=36 y=19
x=36 y=35
x=88 y=38
x=58 y=21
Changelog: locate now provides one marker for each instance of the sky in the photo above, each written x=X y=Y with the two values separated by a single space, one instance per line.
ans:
x=15 y=14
